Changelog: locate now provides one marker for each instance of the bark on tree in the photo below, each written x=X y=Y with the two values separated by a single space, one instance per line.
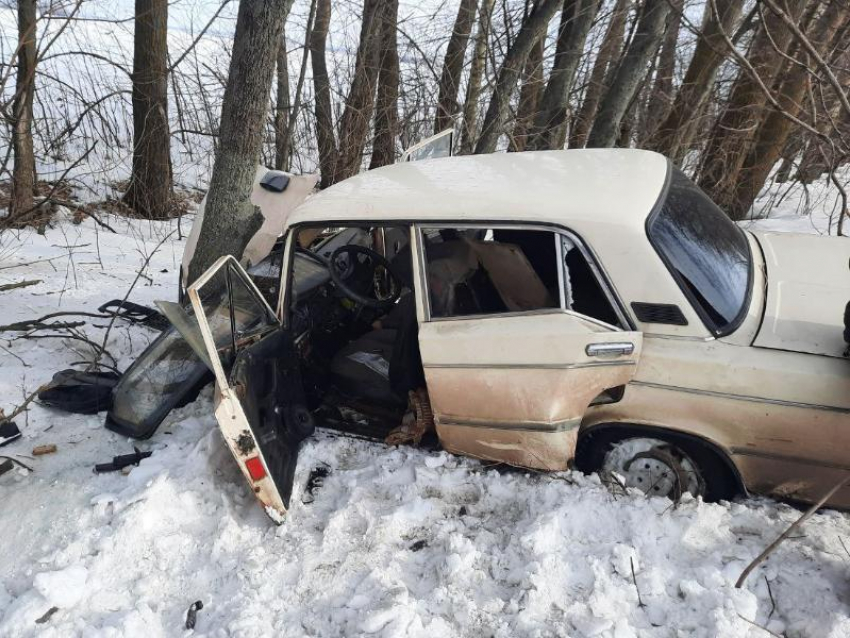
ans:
x=21 y=204
x=283 y=106
x=447 y=103
x=773 y=133
x=325 y=139
x=531 y=30
x=612 y=44
x=355 y=122
x=675 y=135
x=386 y=103
x=550 y=124
x=150 y=191
x=530 y=93
x=476 y=72
x=632 y=71
x=661 y=95
x=229 y=217
x=745 y=109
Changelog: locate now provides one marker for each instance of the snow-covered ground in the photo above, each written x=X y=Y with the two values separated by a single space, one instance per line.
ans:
x=398 y=542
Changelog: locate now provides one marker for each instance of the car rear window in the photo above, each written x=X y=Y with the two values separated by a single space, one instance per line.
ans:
x=707 y=253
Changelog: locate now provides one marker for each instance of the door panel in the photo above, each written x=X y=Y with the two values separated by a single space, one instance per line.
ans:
x=515 y=388
x=259 y=397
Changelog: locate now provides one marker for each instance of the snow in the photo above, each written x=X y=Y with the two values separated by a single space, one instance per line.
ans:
x=396 y=542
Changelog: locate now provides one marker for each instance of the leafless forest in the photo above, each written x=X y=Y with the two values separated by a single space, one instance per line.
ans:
x=104 y=108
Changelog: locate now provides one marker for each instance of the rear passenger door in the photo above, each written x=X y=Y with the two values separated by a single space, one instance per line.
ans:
x=510 y=362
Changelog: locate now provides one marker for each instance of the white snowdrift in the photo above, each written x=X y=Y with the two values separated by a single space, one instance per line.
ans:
x=398 y=542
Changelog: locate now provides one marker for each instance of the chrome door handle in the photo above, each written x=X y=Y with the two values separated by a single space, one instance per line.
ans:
x=609 y=349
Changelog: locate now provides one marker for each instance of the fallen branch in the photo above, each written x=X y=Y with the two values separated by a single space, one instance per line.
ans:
x=634 y=580
x=20 y=284
x=793 y=527
x=39 y=324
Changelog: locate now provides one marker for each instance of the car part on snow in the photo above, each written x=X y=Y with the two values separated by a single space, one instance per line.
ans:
x=275 y=181
x=418 y=420
x=121 y=461
x=192 y=614
x=80 y=392
x=8 y=432
x=135 y=313
x=41 y=450
x=315 y=481
x=6 y=466
x=47 y=615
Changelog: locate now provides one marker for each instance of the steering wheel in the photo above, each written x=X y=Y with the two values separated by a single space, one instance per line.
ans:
x=342 y=264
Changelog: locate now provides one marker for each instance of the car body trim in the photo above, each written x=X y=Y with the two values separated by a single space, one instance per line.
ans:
x=742 y=451
x=744 y=397
x=530 y=366
x=525 y=426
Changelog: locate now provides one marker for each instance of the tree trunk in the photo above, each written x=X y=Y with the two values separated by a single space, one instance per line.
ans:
x=550 y=124
x=529 y=97
x=745 y=109
x=612 y=44
x=325 y=139
x=230 y=219
x=476 y=72
x=21 y=204
x=632 y=71
x=283 y=104
x=530 y=32
x=150 y=191
x=386 y=103
x=773 y=133
x=661 y=95
x=676 y=133
x=447 y=105
x=355 y=122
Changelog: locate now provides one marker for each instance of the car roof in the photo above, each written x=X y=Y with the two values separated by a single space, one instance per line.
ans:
x=586 y=189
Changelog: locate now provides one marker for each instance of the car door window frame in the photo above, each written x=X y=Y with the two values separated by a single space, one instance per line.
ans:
x=559 y=233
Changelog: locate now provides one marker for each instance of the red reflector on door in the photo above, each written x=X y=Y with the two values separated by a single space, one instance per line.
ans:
x=255 y=468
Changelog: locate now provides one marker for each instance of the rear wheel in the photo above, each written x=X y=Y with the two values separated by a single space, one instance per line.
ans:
x=657 y=465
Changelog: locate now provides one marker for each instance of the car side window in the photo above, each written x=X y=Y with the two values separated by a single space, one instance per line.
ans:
x=477 y=271
x=583 y=292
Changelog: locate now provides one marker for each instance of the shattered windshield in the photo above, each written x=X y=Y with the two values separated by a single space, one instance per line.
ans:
x=707 y=253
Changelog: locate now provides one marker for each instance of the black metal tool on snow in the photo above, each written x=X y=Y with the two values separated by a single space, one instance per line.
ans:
x=122 y=461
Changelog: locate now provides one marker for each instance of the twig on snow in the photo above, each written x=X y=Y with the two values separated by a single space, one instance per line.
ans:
x=20 y=284
x=634 y=580
x=793 y=527
x=764 y=629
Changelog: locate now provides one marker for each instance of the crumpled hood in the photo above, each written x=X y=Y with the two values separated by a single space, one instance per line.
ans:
x=808 y=286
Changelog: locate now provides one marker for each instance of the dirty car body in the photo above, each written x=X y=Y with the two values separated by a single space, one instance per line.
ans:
x=589 y=307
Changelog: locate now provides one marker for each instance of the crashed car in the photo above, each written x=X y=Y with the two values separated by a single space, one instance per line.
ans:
x=534 y=309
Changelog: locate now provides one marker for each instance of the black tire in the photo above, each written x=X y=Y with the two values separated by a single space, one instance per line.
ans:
x=719 y=480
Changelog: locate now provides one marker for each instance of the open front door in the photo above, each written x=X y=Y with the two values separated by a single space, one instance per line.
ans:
x=259 y=396
x=514 y=389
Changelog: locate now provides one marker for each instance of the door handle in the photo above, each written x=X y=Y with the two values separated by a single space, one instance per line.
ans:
x=614 y=349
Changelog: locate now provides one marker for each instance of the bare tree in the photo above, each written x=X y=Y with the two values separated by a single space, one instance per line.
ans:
x=532 y=29
x=22 y=203
x=675 y=134
x=325 y=138
x=447 y=103
x=631 y=73
x=476 y=73
x=530 y=92
x=386 y=102
x=603 y=67
x=150 y=191
x=283 y=104
x=661 y=94
x=550 y=125
x=229 y=217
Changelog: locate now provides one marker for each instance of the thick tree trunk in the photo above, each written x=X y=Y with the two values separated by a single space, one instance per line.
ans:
x=230 y=219
x=530 y=93
x=476 y=72
x=773 y=133
x=386 y=103
x=530 y=32
x=283 y=105
x=612 y=44
x=355 y=122
x=150 y=191
x=550 y=124
x=322 y=94
x=676 y=133
x=661 y=95
x=632 y=71
x=447 y=104
x=21 y=205
x=745 y=109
